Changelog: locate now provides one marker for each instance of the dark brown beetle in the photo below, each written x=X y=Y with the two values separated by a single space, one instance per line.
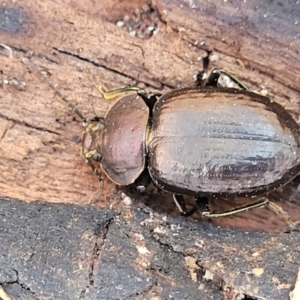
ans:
x=201 y=141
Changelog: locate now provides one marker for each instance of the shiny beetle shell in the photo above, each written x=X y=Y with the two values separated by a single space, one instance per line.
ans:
x=204 y=140
x=123 y=140
x=222 y=141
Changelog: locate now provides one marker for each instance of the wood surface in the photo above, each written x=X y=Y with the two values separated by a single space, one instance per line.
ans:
x=76 y=45
x=65 y=251
x=161 y=46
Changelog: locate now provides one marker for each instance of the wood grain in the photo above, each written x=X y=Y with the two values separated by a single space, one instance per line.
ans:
x=78 y=43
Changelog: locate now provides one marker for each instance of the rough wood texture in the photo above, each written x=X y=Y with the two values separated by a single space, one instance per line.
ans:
x=39 y=154
x=52 y=251
x=75 y=43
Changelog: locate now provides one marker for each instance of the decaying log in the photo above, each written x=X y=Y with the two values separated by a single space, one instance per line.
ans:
x=159 y=46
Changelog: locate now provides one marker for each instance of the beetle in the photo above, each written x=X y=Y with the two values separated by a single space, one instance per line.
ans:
x=207 y=141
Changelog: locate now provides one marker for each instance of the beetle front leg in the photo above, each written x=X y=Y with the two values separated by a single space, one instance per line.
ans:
x=94 y=169
x=112 y=94
x=149 y=98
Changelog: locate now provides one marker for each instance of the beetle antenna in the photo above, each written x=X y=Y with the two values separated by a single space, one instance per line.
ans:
x=74 y=109
x=94 y=110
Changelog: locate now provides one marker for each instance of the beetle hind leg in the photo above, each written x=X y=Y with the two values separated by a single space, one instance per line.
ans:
x=215 y=74
x=291 y=226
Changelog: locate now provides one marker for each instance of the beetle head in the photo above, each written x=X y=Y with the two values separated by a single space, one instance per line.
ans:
x=91 y=140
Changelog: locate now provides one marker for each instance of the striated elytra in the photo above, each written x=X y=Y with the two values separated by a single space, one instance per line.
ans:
x=221 y=141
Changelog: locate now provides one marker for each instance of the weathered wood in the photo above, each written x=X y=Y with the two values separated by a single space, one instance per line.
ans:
x=46 y=121
x=76 y=43
x=262 y=35
x=63 y=251
x=39 y=154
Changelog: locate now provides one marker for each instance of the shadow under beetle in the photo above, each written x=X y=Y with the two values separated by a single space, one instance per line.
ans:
x=205 y=141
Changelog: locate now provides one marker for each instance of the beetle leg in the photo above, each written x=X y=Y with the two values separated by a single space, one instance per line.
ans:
x=94 y=169
x=259 y=203
x=236 y=210
x=215 y=74
x=292 y=226
x=149 y=98
x=180 y=203
x=108 y=95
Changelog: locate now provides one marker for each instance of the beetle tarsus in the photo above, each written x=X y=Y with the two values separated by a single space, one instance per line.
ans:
x=295 y=226
x=292 y=226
